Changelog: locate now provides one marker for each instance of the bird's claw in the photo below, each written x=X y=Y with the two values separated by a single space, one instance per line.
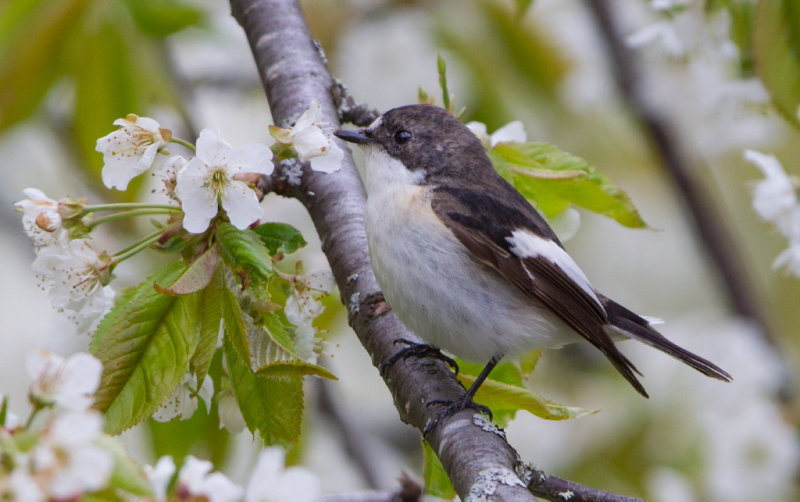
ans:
x=414 y=349
x=453 y=407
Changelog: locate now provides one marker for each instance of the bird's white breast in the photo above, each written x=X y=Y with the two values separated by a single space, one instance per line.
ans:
x=433 y=283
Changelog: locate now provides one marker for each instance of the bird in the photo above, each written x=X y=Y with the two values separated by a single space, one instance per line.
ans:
x=469 y=265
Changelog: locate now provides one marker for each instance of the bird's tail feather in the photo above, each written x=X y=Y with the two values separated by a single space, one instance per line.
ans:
x=633 y=326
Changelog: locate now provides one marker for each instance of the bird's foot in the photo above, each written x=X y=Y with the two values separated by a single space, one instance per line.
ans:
x=453 y=407
x=414 y=349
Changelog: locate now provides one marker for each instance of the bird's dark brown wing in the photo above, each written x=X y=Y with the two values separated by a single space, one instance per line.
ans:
x=486 y=224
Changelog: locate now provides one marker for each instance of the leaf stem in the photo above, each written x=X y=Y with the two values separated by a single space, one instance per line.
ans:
x=183 y=142
x=137 y=246
x=126 y=214
x=128 y=205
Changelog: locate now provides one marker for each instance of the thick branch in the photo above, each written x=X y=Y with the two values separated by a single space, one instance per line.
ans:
x=709 y=226
x=478 y=459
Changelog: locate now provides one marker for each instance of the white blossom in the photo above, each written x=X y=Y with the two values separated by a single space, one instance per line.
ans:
x=208 y=181
x=751 y=451
x=513 y=132
x=183 y=402
x=311 y=142
x=194 y=479
x=304 y=305
x=68 y=383
x=20 y=486
x=130 y=150
x=775 y=200
x=230 y=415
x=41 y=219
x=775 y=197
x=270 y=482
x=71 y=272
x=67 y=460
x=160 y=476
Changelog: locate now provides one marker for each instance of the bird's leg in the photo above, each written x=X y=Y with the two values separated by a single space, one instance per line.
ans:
x=414 y=349
x=465 y=401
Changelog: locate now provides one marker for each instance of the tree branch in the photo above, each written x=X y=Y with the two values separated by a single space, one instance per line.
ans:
x=709 y=226
x=478 y=460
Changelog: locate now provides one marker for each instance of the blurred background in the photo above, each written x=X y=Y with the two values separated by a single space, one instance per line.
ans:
x=68 y=68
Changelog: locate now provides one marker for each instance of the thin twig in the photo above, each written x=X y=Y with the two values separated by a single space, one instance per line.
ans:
x=478 y=460
x=350 y=437
x=709 y=226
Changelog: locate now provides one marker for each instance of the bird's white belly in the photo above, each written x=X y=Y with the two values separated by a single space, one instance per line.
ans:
x=440 y=292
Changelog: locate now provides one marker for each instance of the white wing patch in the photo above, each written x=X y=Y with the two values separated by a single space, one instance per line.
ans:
x=526 y=245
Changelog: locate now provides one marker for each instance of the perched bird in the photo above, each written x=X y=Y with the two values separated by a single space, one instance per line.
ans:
x=468 y=264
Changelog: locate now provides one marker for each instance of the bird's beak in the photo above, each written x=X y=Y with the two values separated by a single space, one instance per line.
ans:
x=359 y=137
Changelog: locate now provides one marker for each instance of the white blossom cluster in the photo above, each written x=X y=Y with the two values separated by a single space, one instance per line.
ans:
x=775 y=200
x=68 y=456
x=76 y=274
x=72 y=271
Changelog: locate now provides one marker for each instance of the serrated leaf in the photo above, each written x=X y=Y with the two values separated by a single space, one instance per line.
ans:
x=161 y=18
x=144 y=343
x=502 y=396
x=33 y=45
x=196 y=276
x=437 y=483
x=519 y=163
x=244 y=252
x=777 y=53
x=280 y=237
x=127 y=474
x=233 y=323
x=211 y=318
x=294 y=369
x=270 y=405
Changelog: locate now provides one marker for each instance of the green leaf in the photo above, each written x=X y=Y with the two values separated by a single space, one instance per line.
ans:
x=530 y=167
x=212 y=319
x=127 y=474
x=441 y=66
x=777 y=53
x=528 y=361
x=144 y=343
x=234 y=323
x=3 y=410
x=196 y=276
x=244 y=252
x=160 y=18
x=502 y=396
x=522 y=6
x=34 y=40
x=273 y=406
x=280 y=237
x=294 y=369
x=437 y=483
x=112 y=80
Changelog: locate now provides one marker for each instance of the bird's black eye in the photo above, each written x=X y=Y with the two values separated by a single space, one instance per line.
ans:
x=401 y=137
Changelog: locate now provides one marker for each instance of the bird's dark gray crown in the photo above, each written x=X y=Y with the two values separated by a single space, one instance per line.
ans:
x=431 y=139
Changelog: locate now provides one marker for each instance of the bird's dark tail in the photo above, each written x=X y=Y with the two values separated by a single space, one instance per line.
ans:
x=633 y=326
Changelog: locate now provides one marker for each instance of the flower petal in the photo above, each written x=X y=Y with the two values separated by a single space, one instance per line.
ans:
x=310 y=141
x=513 y=132
x=212 y=149
x=330 y=162
x=198 y=201
x=251 y=158
x=241 y=204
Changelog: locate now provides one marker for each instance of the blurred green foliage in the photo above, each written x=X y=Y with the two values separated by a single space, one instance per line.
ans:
x=105 y=56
